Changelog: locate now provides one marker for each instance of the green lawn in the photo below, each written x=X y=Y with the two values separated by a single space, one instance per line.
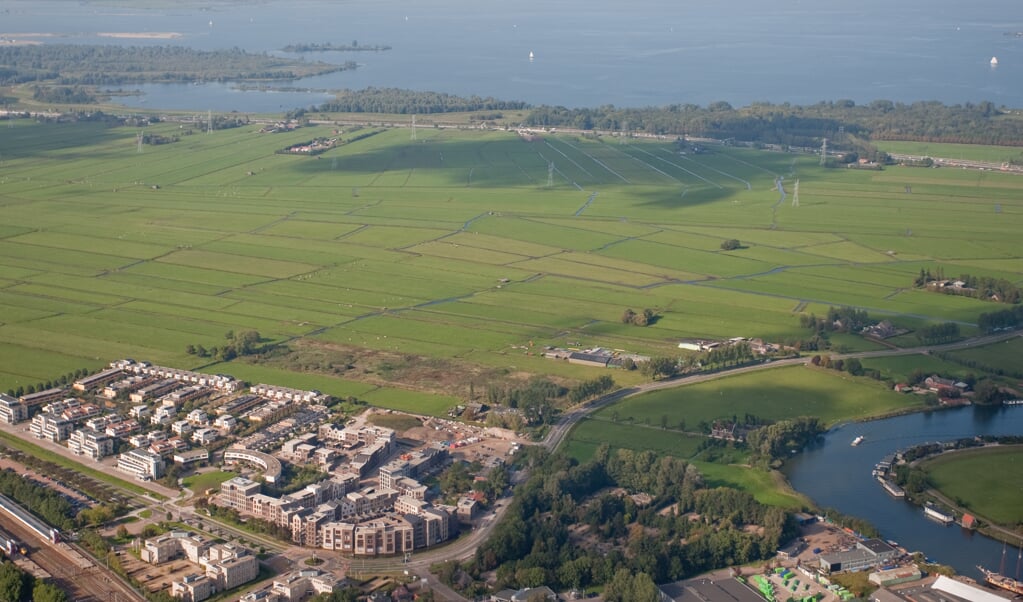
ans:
x=988 y=481
x=199 y=483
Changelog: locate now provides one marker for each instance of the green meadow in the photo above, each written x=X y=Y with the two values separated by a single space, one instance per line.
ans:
x=456 y=246
x=987 y=481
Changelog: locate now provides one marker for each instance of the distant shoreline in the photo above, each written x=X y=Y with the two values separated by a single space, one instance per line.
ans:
x=142 y=35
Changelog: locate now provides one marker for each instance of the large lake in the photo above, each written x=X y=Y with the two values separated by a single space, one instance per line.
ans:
x=837 y=475
x=587 y=53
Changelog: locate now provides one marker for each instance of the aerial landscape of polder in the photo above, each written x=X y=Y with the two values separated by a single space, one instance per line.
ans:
x=345 y=301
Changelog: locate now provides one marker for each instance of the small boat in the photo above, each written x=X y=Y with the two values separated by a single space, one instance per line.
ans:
x=530 y=55
x=857 y=440
x=994 y=60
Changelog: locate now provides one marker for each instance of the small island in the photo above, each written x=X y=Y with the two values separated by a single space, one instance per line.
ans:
x=330 y=47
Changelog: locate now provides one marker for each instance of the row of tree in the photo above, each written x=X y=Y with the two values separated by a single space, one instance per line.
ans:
x=932 y=334
x=63 y=380
x=591 y=388
x=46 y=503
x=405 y=102
x=1005 y=319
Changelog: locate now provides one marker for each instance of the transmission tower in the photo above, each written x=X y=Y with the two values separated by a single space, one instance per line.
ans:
x=138 y=140
x=550 y=174
x=824 y=151
x=795 y=194
x=209 y=122
x=413 y=127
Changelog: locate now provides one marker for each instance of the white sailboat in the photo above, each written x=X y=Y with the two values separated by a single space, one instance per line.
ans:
x=530 y=55
x=994 y=61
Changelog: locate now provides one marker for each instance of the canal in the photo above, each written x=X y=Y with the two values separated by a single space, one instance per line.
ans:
x=837 y=475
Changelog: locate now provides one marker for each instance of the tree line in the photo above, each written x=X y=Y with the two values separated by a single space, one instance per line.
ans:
x=103 y=65
x=1006 y=319
x=405 y=102
x=844 y=123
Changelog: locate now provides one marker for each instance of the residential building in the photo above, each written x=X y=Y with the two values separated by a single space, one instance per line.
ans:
x=12 y=411
x=225 y=422
x=205 y=436
x=154 y=390
x=95 y=381
x=141 y=464
x=90 y=442
x=192 y=588
x=181 y=427
x=37 y=399
x=52 y=427
x=235 y=492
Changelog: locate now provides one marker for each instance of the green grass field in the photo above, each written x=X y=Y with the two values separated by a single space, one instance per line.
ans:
x=987 y=481
x=199 y=483
x=769 y=394
x=974 y=152
x=453 y=246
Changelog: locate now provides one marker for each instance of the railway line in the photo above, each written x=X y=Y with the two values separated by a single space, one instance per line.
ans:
x=67 y=567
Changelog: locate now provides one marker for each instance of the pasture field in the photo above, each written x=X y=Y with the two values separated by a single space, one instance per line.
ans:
x=769 y=394
x=974 y=152
x=988 y=481
x=900 y=368
x=998 y=356
x=454 y=246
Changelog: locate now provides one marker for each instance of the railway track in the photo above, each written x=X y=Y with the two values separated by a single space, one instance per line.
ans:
x=69 y=569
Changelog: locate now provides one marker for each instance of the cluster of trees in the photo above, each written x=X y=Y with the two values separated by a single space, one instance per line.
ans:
x=1005 y=319
x=591 y=388
x=852 y=365
x=844 y=123
x=104 y=65
x=72 y=95
x=778 y=440
x=403 y=102
x=646 y=318
x=247 y=342
x=978 y=287
x=49 y=505
x=731 y=244
x=19 y=586
x=535 y=398
x=534 y=545
x=938 y=333
x=838 y=319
